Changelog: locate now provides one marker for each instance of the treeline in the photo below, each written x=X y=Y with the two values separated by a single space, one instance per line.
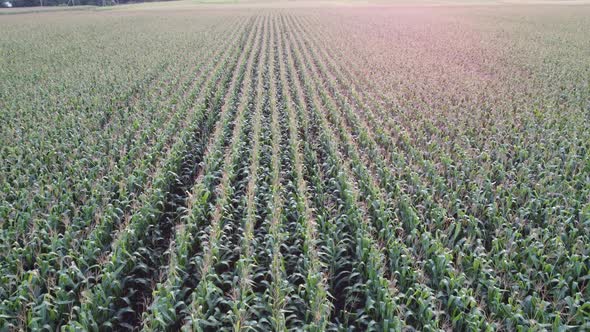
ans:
x=32 y=3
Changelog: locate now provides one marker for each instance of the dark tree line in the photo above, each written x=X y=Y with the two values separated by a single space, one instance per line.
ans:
x=31 y=3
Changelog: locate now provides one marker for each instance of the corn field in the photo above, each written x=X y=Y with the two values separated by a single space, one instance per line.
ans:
x=296 y=166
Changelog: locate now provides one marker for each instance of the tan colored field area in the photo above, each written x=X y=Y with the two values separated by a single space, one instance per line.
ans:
x=296 y=165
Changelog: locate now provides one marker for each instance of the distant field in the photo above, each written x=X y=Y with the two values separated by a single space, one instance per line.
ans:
x=279 y=166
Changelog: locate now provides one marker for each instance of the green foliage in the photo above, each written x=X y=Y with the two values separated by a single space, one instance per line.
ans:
x=237 y=170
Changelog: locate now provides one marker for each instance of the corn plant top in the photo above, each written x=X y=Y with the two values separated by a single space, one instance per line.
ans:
x=296 y=166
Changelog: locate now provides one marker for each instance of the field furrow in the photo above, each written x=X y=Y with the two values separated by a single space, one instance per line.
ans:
x=356 y=267
x=165 y=314
x=317 y=305
x=229 y=195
